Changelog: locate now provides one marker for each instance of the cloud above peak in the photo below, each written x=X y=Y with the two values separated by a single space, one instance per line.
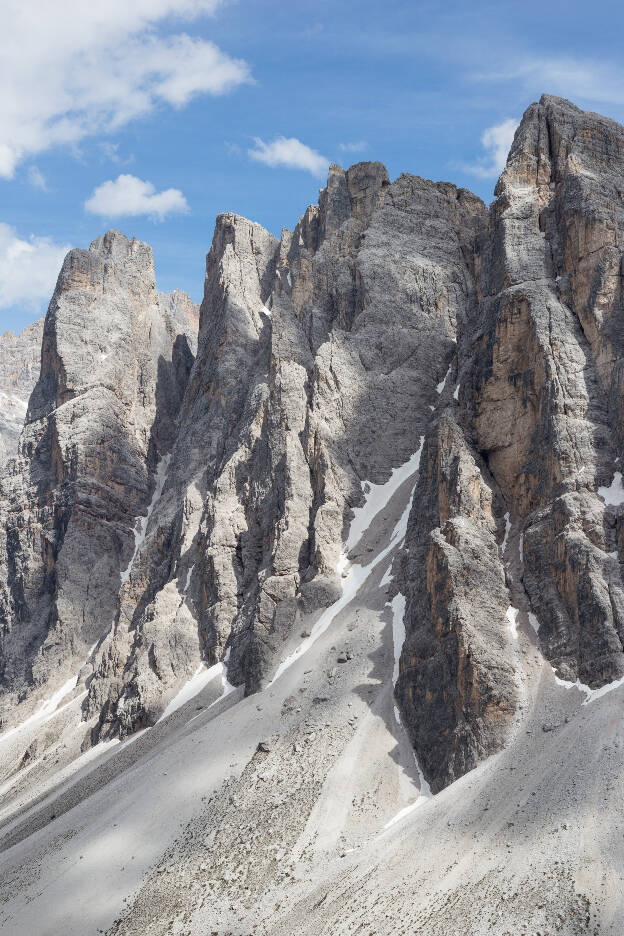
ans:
x=28 y=268
x=129 y=196
x=496 y=141
x=76 y=69
x=289 y=153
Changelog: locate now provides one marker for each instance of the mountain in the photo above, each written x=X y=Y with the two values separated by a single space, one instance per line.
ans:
x=19 y=368
x=312 y=622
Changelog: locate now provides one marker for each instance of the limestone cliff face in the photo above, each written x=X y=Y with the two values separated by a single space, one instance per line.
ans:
x=114 y=366
x=317 y=364
x=20 y=357
x=181 y=499
x=546 y=383
x=539 y=405
x=457 y=687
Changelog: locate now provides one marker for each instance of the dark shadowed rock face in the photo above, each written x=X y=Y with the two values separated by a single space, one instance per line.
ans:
x=20 y=357
x=457 y=686
x=180 y=500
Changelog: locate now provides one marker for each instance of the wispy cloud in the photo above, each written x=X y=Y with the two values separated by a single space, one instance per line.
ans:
x=289 y=153
x=76 y=69
x=37 y=179
x=583 y=79
x=110 y=153
x=496 y=141
x=28 y=268
x=129 y=196
x=233 y=148
x=358 y=146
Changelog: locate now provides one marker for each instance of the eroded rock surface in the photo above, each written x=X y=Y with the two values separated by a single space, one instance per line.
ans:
x=102 y=415
x=317 y=365
x=181 y=501
x=539 y=406
x=20 y=357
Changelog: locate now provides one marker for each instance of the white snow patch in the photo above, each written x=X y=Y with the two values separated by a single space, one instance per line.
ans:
x=288 y=277
x=512 y=617
x=521 y=547
x=188 y=580
x=535 y=624
x=398 y=632
x=507 y=532
x=590 y=694
x=387 y=577
x=398 y=638
x=12 y=400
x=456 y=393
x=49 y=707
x=377 y=497
x=141 y=524
x=199 y=680
x=226 y=685
x=425 y=794
x=431 y=407
x=135 y=737
x=440 y=386
x=613 y=495
x=202 y=676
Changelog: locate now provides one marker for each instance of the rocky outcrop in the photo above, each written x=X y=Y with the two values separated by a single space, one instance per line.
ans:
x=20 y=357
x=182 y=501
x=539 y=406
x=545 y=386
x=101 y=417
x=457 y=687
x=185 y=312
x=317 y=365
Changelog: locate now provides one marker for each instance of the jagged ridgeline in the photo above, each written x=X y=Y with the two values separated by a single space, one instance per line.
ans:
x=184 y=483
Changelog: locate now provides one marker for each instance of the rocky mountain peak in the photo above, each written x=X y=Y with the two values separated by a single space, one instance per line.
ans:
x=387 y=469
x=380 y=464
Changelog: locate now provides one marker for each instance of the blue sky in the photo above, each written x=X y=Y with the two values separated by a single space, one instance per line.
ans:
x=176 y=97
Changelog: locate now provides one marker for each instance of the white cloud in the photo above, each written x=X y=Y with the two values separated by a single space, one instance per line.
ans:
x=28 y=268
x=73 y=69
x=573 y=78
x=127 y=195
x=37 y=179
x=291 y=153
x=496 y=141
x=356 y=147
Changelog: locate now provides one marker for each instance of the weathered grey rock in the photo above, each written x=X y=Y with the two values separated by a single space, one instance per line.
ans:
x=103 y=413
x=457 y=687
x=180 y=513
x=185 y=312
x=539 y=365
x=546 y=383
x=318 y=358
x=20 y=357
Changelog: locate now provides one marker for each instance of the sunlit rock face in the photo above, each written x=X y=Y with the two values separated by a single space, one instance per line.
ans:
x=186 y=477
x=114 y=365
x=20 y=357
x=316 y=370
x=539 y=411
